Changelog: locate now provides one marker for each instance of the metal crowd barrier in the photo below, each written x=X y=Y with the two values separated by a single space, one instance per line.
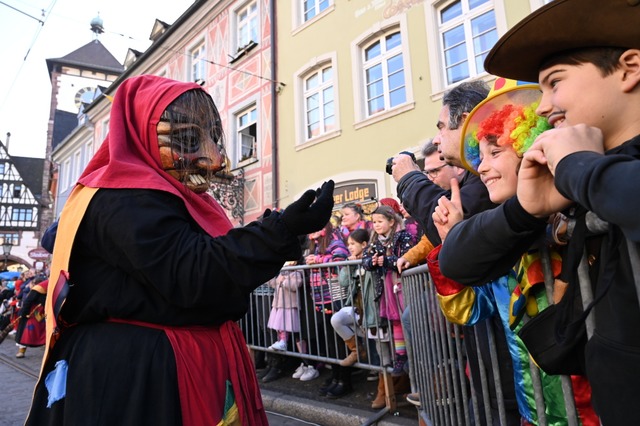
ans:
x=450 y=393
x=322 y=343
x=438 y=369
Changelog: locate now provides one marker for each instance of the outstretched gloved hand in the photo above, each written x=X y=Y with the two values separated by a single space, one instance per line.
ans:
x=305 y=216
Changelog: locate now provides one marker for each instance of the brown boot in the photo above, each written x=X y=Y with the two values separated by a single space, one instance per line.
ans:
x=381 y=397
x=352 y=358
x=401 y=384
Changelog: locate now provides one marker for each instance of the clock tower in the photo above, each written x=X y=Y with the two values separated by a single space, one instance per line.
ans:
x=76 y=81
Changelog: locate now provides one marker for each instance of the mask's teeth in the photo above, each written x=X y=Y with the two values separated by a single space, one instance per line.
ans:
x=164 y=140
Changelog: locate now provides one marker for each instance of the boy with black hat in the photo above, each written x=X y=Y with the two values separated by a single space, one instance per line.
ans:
x=586 y=56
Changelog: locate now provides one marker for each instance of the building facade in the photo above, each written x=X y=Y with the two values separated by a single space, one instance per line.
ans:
x=21 y=205
x=312 y=89
x=364 y=81
x=225 y=46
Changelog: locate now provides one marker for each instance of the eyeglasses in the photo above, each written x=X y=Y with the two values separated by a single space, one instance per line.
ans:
x=433 y=173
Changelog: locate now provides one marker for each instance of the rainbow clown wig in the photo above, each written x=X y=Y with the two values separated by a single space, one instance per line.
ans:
x=508 y=114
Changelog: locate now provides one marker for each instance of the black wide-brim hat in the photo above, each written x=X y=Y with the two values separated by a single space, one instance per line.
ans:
x=560 y=26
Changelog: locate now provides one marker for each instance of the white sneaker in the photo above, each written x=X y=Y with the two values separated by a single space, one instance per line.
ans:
x=299 y=371
x=280 y=345
x=310 y=374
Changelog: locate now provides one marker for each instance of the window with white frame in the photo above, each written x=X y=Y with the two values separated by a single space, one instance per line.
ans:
x=77 y=165
x=467 y=30
x=104 y=131
x=247 y=130
x=88 y=154
x=319 y=102
x=198 y=63
x=247 y=24
x=535 y=4
x=311 y=8
x=10 y=237
x=21 y=215
x=384 y=73
x=66 y=173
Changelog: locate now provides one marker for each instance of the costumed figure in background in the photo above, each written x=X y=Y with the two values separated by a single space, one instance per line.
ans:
x=148 y=276
x=31 y=330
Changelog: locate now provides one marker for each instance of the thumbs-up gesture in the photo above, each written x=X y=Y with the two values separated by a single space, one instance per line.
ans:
x=449 y=211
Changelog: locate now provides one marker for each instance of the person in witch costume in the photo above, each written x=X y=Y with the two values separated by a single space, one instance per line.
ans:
x=148 y=276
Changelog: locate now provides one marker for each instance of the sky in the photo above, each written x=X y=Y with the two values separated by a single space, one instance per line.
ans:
x=25 y=88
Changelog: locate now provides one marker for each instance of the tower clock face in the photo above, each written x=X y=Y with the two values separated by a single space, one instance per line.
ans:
x=85 y=95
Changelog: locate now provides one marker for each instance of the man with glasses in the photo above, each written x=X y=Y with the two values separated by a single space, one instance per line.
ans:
x=437 y=170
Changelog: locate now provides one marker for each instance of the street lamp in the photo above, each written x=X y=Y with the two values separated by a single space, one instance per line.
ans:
x=6 y=249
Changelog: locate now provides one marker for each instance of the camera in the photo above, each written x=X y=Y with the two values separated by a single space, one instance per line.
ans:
x=390 y=161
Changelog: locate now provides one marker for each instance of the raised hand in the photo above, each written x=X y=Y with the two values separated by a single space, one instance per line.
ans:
x=449 y=211
x=403 y=164
x=536 y=189
x=311 y=211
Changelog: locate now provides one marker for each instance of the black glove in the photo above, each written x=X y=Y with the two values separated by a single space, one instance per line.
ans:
x=305 y=216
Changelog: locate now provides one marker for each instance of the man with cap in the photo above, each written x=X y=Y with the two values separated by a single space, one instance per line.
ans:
x=586 y=56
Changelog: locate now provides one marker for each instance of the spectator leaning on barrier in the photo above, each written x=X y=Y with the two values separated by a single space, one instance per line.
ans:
x=347 y=322
x=327 y=246
x=440 y=173
x=495 y=136
x=586 y=56
x=420 y=197
x=388 y=242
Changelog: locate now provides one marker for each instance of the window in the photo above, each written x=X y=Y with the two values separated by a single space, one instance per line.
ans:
x=2 y=169
x=104 y=131
x=247 y=128
x=9 y=237
x=468 y=30
x=21 y=215
x=77 y=165
x=66 y=173
x=538 y=3
x=17 y=190
x=306 y=12
x=382 y=72
x=319 y=103
x=198 y=63
x=250 y=195
x=384 y=77
x=311 y=8
x=88 y=154
x=247 y=24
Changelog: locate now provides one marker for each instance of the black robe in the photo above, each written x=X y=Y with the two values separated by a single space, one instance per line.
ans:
x=138 y=255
